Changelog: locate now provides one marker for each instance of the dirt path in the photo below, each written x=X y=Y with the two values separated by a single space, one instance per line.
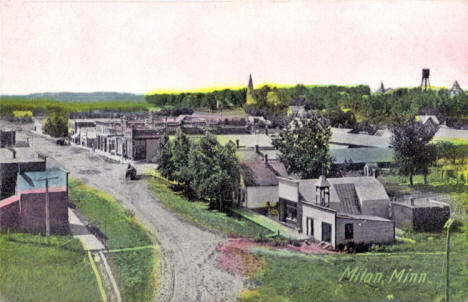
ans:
x=189 y=271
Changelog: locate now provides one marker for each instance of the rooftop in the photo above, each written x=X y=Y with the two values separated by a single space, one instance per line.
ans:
x=22 y=155
x=343 y=137
x=36 y=180
x=422 y=203
x=258 y=173
x=362 y=155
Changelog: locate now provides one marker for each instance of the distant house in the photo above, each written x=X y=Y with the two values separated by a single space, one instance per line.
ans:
x=7 y=138
x=38 y=205
x=428 y=119
x=421 y=214
x=338 y=211
x=456 y=89
x=296 y=110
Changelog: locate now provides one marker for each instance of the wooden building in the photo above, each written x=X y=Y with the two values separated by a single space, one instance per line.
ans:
x=338 y=211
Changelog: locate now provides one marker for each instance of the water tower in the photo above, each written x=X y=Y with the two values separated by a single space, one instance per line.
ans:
x=425 y=78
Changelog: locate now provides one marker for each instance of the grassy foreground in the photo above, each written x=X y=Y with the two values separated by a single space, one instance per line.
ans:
x=36 y=268
x=135 y=269
x=197 y=212
x=297 y=277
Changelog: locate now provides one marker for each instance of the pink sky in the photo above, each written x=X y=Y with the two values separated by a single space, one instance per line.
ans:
x=146 y=45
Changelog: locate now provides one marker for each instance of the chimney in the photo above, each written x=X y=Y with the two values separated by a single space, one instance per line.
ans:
x=266 y=130
x=257 y=149
x=266 y=158
x=412 y=201
x=237 y=143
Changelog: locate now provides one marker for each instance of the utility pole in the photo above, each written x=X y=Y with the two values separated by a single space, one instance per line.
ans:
x=47 y=208
x=447 y=226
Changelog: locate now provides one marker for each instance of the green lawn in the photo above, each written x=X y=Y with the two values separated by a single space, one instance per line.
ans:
x=297 y=277
x=135 y=269
x=36 y=268
x=198 y=212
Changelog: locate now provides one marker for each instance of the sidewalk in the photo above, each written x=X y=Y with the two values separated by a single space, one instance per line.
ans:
x=79 y=230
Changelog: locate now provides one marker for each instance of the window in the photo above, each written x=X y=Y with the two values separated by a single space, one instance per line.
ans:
x=349 y=231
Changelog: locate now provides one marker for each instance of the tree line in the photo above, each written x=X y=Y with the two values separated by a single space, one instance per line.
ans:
x=202 y=169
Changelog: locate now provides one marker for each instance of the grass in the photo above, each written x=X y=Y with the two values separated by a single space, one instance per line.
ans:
x=197 y=212
x=297 y=277
x=10 y=105
x=135 y=270
x=36 y=268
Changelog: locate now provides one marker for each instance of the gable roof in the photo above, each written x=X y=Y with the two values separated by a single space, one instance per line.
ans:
x=258 y=173
x=425 y=118
x=456 y=89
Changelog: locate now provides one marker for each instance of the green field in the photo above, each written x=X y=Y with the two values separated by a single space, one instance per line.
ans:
x=35 y=268
x=197 y=211
x=135 y=269
x=297 y=277
x=10 y=105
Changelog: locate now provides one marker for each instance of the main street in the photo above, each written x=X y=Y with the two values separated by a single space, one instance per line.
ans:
x=188 y=266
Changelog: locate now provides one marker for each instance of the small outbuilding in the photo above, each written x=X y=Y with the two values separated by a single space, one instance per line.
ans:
x=40 y=204
x=421 y=214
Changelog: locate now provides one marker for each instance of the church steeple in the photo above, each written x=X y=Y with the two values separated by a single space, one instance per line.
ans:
x=250 y=86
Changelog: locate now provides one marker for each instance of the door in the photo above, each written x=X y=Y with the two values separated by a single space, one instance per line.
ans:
x=326 y=232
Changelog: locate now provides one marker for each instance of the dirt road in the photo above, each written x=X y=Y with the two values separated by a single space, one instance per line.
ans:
x=189 y=271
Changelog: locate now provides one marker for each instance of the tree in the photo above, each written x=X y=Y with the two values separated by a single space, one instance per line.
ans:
x=164 y=161
x=215 y=171
x=413 y=153
x=179 y=160
x=56 y=124
x=303 y=144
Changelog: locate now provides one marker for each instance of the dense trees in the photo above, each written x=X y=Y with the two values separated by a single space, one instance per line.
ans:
x=303 y=144
x=413 y=151
x=204 y=169
x=217 y=99
x=56 y=124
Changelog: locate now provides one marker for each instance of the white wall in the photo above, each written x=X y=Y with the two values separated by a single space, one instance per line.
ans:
x=319 y=216
x=288 y=189
x=257 y=197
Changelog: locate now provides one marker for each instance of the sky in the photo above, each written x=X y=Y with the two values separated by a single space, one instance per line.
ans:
x=148 y=45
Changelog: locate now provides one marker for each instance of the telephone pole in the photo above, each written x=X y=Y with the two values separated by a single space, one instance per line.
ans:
x=447 y=226
x=47 y=201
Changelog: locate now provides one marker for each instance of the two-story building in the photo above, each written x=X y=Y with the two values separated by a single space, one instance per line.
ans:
x=338 y=211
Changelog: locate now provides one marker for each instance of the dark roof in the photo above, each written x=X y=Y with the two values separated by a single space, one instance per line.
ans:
x=258 y=173
x=349 y=199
